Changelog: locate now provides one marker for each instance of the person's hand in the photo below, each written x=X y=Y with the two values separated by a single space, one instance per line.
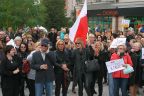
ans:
x=44 y=66
x=64 y=67
x=125 y=65
x=16 y=71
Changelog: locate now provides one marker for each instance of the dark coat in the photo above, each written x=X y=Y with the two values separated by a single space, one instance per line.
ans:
x=79 y=59
x=8 y=79
x=43 y=76
x=61 y=58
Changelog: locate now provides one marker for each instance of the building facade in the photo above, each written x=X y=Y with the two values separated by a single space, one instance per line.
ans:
x=109 y=13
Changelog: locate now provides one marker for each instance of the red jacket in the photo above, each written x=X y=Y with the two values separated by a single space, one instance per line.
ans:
x=127 y=60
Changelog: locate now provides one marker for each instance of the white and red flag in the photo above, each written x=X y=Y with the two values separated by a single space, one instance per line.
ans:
x=80 y=27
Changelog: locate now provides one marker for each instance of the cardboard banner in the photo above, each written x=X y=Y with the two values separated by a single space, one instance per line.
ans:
x=115 y=65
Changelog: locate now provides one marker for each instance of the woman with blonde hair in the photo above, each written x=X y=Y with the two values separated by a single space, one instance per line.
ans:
x=135 y=77
x=120 y=79
x=61 y=73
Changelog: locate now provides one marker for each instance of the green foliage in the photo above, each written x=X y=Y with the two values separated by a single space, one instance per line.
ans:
x=17 y=13
x=55 y=13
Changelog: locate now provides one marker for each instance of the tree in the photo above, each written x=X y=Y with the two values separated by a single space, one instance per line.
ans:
x=56 y=14
x=21 y=12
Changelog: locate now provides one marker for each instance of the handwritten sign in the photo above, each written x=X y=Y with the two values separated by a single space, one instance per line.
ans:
x=118 y=41
x=142 y=53
x=115 y=65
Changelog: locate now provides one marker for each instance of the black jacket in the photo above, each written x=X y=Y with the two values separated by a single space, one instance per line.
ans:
x=62 y=57
x=43 y=76
x=8 y=79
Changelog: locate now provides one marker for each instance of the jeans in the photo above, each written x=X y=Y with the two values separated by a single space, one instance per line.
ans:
x=111 y=84
x=39 y=88
x=120 y=83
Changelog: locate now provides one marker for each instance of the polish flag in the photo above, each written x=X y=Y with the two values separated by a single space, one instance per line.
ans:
x=80 y=27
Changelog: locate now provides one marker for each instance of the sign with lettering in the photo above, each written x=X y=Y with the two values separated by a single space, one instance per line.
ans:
x=142 y=53
x=125 y=23
x=115 y=65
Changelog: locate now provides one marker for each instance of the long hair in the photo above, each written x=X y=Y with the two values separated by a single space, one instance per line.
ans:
x=80 y=41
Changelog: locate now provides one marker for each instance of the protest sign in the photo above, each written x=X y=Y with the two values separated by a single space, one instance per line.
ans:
x=118 y=41
x=115 y=65
x=142 y=53
x=125 y=23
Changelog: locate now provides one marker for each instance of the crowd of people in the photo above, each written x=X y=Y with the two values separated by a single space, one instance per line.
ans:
x=39 y=59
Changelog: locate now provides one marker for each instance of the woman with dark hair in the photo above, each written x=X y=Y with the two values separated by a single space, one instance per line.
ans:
x=10 y=77
x=23 y=53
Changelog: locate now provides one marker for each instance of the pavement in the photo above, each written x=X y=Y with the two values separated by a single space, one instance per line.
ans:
x=105 y=91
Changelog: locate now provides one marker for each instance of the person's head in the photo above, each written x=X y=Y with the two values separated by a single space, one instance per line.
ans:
x=37 y=46
x=18 y=40
x=114 y=36
x=60 y=45
x=132 y=41
x=9 y=50
x=138 y=37
x=52 y=30
x=142 y=42
x=66 y=38
x=99 y=38
x=136 y=46
x=44 y=44
x=1 y=45
x=7 y=39
x=58 y=38
x=91 y=38
x=10 y=29
x=23 y=47
x=121 y=48
x=79 y=43
x=99 y=46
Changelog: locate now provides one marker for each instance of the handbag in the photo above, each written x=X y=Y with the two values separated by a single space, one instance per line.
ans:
x=92 y=65
x=128 y=69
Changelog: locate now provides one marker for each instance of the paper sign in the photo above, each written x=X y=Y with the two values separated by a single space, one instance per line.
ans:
x=125 y=23
x=142 y=53
x=118 y=41
x=11 y=42
x=115 y=65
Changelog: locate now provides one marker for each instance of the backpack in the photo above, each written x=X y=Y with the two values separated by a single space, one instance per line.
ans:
x=26 y=67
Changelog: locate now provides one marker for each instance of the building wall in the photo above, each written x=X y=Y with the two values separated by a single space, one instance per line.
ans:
x=70 y=4
x=130 y=0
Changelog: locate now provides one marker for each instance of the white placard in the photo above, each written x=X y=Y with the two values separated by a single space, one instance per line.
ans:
x=115 y=65
x=118 y=41
x=142 y=53
x=11 y=42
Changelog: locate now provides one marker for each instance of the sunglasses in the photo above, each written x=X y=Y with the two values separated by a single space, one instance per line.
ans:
x=44 y=45
x=77 y=43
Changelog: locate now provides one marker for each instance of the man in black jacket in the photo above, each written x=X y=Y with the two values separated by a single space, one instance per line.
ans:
x=43 y=62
